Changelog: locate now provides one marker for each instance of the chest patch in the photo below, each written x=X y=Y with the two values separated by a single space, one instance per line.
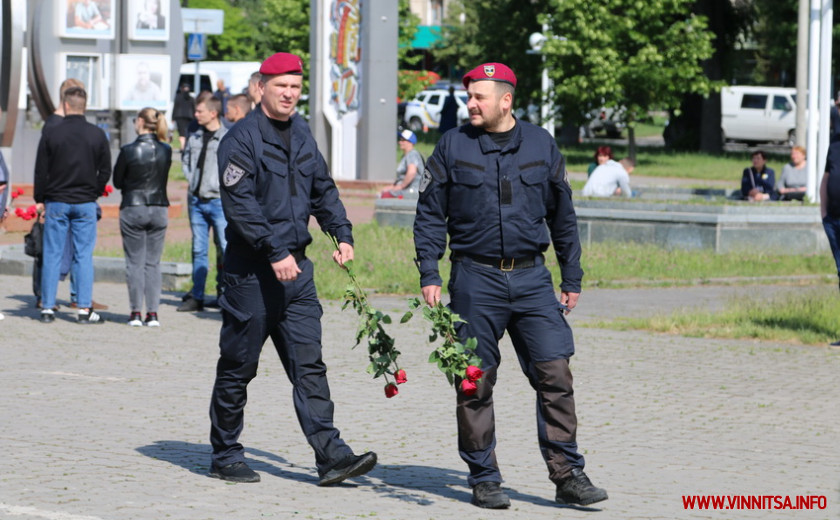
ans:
x=233 y=174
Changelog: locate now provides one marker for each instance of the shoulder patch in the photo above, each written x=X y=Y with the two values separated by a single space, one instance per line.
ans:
x=426 y=180
x=233 y=173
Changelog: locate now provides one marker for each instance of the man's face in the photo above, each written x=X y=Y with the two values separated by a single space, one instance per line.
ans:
x=484 y=104
x=233 y=113
x=202 y=115
x=280 y=95
x=758 y=162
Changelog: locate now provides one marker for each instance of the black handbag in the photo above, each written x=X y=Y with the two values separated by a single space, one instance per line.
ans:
x=33 y=242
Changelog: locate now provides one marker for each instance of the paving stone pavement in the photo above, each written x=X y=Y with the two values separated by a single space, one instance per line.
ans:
x=111 y=422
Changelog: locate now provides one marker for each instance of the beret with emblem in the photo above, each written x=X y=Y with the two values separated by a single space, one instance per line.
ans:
x=491 y=72
x=282 y=63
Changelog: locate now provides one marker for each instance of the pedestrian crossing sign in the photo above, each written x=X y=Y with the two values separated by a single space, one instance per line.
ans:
x=196 y=48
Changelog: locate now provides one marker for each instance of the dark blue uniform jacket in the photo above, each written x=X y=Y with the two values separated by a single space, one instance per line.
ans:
x=269 y=192
x=496 y=202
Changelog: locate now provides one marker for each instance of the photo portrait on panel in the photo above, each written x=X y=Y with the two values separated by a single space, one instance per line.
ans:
x=86 y=18
x=86 y=68
x=143 y=81
x=147 y=19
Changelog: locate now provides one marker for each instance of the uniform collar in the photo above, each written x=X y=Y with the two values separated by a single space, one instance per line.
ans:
x=488 y=145
x=267 y=130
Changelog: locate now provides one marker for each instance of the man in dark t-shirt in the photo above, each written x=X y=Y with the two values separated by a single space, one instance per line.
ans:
x=830 y=204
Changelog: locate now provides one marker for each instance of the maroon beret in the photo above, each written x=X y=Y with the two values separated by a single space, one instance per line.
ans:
x=282 y=63
x=492 y=72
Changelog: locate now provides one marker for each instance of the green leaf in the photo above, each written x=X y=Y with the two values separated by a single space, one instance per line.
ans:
x=386 y=319
x=405 y=317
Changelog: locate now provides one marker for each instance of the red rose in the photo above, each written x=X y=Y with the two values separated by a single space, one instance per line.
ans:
x=474 y=373
x=108 y=190
x=400 y=377
x=15 y=194
x=391 y=390
x=468 y=387
x=19 y=212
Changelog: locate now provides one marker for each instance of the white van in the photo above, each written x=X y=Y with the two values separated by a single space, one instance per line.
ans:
x=234 y=73
x=758 y=114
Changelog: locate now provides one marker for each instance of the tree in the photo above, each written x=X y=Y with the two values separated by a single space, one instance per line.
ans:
x=409 y=82
x=494 y=31
x=278 y=26
x=237 y=41
x=639 y=55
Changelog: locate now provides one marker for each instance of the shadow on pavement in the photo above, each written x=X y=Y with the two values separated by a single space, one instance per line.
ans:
x=196 y=458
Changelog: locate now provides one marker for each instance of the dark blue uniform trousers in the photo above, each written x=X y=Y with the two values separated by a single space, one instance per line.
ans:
x=522 y=302
x=255 y=306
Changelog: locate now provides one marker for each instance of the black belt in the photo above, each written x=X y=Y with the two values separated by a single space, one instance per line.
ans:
x=504 y=264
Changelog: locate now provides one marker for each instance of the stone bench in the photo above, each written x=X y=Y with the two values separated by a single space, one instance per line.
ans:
x=730 y=226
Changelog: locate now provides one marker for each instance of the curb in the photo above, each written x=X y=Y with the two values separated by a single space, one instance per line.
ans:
x=13 y=261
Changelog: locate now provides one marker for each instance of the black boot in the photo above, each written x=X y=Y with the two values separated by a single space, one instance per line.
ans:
x=489 y=495
x=577 y=489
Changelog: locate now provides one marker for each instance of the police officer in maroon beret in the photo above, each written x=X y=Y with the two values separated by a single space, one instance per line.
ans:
x=272 y=178
x=498 y=187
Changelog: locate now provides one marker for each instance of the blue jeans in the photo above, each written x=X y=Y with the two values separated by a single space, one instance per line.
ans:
x=832 y=231
x=80 y=220
x=204 y=214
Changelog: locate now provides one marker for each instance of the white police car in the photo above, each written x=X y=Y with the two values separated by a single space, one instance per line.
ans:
x=423 y=112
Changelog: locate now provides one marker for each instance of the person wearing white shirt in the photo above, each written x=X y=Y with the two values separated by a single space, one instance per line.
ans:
x=610 y=178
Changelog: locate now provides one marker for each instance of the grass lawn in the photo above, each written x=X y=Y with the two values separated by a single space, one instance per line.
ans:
x=805 y=315
x=651 y=161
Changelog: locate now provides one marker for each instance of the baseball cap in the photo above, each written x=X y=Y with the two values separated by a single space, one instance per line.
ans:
x=407 y=135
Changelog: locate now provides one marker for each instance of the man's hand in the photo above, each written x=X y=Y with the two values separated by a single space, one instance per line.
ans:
x=431 y=293
x=343 y=254
x=569 y=299
x=286 y=270
x=39 y=207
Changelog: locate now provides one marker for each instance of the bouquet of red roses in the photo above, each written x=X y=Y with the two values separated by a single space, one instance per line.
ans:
x=453 y=358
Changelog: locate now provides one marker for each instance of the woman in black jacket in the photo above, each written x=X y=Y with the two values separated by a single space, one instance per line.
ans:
x=141 y=173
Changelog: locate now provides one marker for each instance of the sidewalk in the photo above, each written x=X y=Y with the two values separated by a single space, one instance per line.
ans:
x=110 y=422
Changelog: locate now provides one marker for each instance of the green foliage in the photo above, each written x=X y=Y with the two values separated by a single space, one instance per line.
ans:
x=638 y=55
x=407 y=30
x=451 y=356
x=237 y=41
x=278 y=26
x=494 y=30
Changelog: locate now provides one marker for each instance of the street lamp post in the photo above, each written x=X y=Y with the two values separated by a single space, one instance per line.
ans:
x=537 y=40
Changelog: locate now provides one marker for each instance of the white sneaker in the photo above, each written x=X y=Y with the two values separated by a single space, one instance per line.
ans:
x=135 y=320
x=89 y=317
x=152 y=320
